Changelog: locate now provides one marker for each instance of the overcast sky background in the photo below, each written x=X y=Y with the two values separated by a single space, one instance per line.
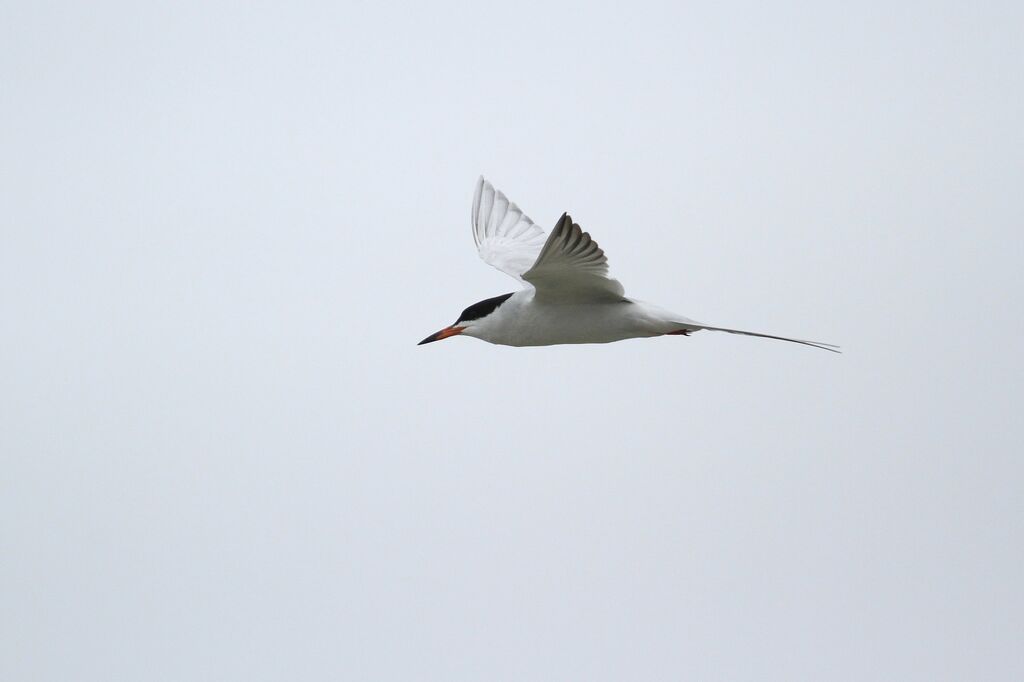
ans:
x=225 y=227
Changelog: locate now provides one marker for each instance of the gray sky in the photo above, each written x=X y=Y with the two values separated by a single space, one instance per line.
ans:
x=225 y=227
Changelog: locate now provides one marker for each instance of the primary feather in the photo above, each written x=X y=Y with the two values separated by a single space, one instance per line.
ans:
x=505 y=236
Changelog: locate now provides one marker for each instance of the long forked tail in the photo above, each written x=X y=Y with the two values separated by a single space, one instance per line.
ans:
x=814 y=344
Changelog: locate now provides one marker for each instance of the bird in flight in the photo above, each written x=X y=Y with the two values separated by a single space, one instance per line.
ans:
x=568 y=296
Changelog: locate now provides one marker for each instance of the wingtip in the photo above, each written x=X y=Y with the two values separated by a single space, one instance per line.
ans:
x=478 y=188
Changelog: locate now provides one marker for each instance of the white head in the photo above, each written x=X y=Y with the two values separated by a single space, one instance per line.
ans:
x=470 y=319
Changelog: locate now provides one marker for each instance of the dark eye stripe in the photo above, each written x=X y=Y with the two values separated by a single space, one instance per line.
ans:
x=482 y=309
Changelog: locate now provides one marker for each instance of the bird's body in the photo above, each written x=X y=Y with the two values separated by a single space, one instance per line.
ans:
x=524 y=321
x=568 y=296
